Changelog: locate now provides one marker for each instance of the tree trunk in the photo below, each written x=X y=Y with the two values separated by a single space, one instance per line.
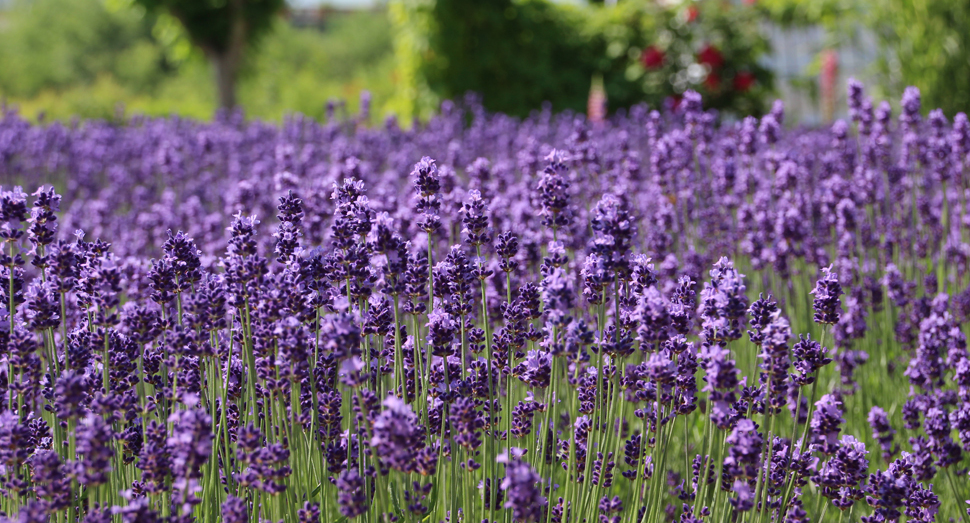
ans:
x=226 y=71
x=227 y=61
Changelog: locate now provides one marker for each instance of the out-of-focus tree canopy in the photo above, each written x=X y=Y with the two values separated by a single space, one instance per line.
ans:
x=222 y=29
x=106 y=58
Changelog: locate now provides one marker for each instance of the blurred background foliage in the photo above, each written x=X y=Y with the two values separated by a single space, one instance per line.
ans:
x=925 y=43
x=94 y=58
x=105 y=58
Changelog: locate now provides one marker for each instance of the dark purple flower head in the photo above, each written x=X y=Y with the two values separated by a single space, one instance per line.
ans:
x=154 y=459
x=659 y=368
x=43 y=221
x=522 y=488
x=842 y=478
x=721 y=377
x=557 y=295
x=42 y=309
x=827 y=291
x=643 y=275
x=653 y=318
x=467 y=422
x=181 y=252
x=507 y=246
x=553 y=193
x=475 y=219
x=810 y=356
x=235 y=510
x=243 y=231
x=352 y=501
x=427 y=186
x=535 y=370
x=827 y=422
x=340 y=335
x=855 y=97
x=882 y=431
x=264 y=467
x=775 y=360
x=889 y=490
x=425 y=175
x=442 y=329
x=911 y=107
x=13 y=211
x=922 y=505
x=743 y=459
x=743 y=499
x=94 y=443
x=723 y=304
x=190 y=442
x=522 y=417
x=289 y=232
x=397 y=435
x=612 y=221
x=50 y=478
x=70 y=392
x=760 y=314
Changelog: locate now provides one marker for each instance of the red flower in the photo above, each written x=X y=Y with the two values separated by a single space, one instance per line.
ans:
x=713 y=81
x=711 y=56
x=743 y=81
x=652 y=57
x=692 y=13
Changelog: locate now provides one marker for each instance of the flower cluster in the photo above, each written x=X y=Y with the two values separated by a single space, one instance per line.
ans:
x=242 y=322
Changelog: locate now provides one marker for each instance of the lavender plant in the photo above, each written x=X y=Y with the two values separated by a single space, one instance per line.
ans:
x=660 y=318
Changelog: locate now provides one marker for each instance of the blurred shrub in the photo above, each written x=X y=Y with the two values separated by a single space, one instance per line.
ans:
x=650 y=53
x=515 y=54
x=520 y=53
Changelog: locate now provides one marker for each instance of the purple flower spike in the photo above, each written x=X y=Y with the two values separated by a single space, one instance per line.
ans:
x=522 y=490
x=827 y=291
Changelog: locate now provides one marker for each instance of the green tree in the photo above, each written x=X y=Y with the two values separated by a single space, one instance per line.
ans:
x=222 y=29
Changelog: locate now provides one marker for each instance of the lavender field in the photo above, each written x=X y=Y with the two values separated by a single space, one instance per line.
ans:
x=484 y=319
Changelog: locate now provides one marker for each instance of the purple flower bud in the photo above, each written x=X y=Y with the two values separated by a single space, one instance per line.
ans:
x=351 y=499
x=826 y=303
x=397 y=435
x=826 y=422
x=522 y=490
x=94 y=443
